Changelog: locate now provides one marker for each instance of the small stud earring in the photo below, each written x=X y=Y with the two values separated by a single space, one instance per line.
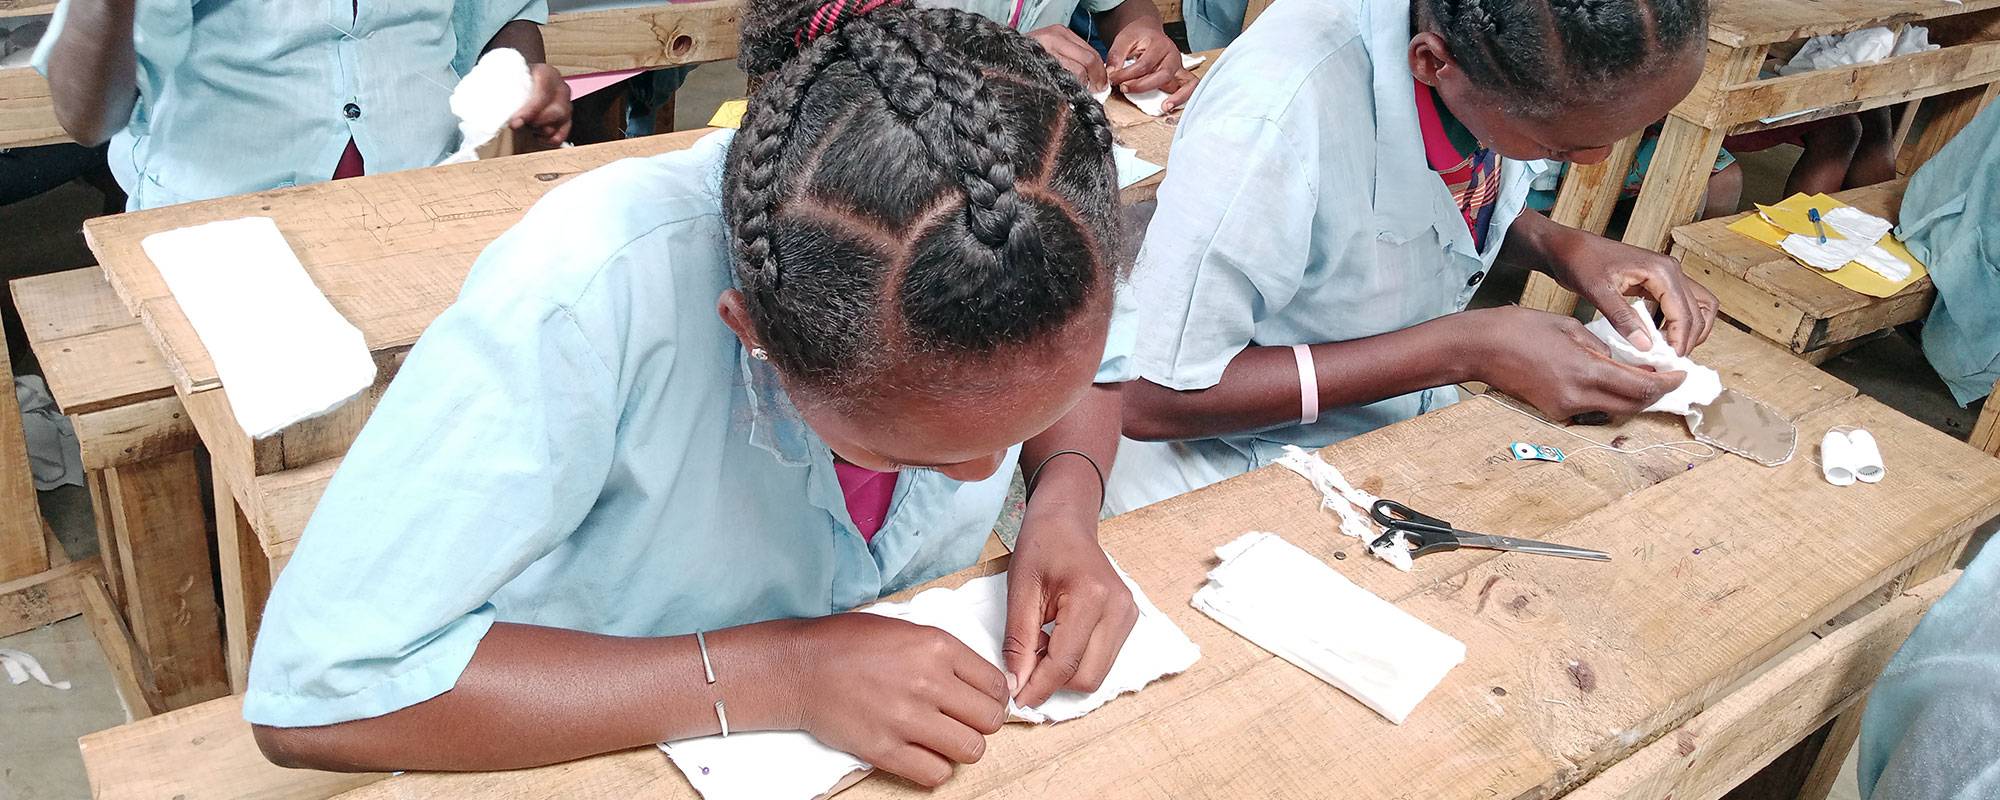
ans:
x=760 y=354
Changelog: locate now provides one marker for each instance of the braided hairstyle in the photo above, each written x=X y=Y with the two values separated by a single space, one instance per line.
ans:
x=911 y=182
x=1548 y=54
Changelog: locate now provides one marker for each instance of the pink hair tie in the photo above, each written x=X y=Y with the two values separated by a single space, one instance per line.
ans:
x=827 y=16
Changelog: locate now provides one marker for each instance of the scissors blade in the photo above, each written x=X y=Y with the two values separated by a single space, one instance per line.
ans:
x=1509 y=543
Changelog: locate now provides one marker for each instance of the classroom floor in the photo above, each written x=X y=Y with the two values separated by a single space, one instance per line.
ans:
x=41 y=762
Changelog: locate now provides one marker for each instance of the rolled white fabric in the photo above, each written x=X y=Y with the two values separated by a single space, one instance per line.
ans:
x=1866 y=457
x=1836 y=458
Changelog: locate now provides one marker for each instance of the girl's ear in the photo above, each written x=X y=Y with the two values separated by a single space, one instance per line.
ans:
x=733 y=313
x=1428 y=57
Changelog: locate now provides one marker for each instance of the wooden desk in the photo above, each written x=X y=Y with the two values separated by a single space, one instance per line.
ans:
x=390 y=252
x=1731 y=98
x=1720 y=565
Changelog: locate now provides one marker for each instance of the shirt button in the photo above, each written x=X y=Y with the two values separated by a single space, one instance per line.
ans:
x=351 y=110
x=1475 y=279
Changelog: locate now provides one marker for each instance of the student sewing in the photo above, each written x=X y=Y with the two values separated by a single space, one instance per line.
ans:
x=733 y=390
x=203 y=100
x=1344 y=180
x=1132 y=28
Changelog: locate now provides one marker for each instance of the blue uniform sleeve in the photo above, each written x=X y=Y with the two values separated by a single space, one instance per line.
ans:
x=1938 y=699
x=477 y=21
x=1228 y=246
x=486 y=453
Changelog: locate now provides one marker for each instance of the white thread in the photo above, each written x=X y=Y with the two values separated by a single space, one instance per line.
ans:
x=1597 y=445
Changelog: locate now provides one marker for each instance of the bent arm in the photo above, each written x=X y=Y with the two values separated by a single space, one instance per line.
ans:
x=1259 y=389
x=93 y=70
x=533 y=695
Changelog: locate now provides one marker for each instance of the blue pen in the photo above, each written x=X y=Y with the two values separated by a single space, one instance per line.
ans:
x=1813 y=214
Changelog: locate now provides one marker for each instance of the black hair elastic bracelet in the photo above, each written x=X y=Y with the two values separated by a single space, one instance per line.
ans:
x=1102 y=491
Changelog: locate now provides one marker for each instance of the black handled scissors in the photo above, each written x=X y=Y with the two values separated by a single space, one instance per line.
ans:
x=1432 y=535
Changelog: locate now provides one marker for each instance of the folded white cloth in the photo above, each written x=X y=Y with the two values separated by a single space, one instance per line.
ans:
x=1292 y=604
x=1699 y=388
x=20 y=667
x=1853 y=235
x=1858 y=47
x=279 y=347
x=486 y=98
x=792 y=765
x=1149 y=101
x=1352 y=505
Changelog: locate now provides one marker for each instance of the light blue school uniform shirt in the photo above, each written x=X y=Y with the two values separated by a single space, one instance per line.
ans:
x=1932 y=728
x=1300 y=209
x=1949 y=220
x=579 y=442
x=1034 y=14
x=251 y=95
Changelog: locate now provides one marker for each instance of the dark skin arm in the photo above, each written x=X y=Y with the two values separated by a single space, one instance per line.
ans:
x=1059 y=572
x=547 y=113
x=93 y=70
x=1548 y=360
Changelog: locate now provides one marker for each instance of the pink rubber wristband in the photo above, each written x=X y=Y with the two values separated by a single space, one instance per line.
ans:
x=1308 y=385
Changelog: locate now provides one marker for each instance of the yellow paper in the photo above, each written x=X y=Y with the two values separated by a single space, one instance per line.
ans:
x=1789 y=216
x=729 y=114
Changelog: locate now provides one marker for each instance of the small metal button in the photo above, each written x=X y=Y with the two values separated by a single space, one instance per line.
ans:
x=351 y=110
x=1476 y=278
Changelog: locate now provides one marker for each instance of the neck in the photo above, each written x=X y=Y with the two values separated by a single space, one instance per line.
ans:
x=1461 y=137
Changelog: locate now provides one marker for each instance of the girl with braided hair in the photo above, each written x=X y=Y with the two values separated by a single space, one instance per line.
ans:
x=693 y=405
x=1343 y=181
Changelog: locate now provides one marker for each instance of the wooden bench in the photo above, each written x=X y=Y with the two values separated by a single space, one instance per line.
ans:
x=138 y=455
x=1771 y=294
x=1959 y=78
x=1720 y=567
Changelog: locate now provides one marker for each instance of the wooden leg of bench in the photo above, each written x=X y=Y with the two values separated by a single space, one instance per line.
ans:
x=128 y=667
x=246 y=581
x=1676 y=180
x=162 y=539
x=1986 y=432
x=23 y=551
x=107 y=539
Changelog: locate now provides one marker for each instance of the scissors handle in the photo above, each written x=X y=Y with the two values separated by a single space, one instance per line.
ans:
x=1396 y=516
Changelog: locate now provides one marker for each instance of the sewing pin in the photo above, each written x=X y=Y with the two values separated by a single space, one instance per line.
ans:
x=1813 y=214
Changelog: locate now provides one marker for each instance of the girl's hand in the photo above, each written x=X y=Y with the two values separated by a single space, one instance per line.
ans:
x=1059 y=573
x=907 y=698
x=1551 y=362
x=1075 y=54
x=1607 y=272
x=1143 y=58
x=547 y=112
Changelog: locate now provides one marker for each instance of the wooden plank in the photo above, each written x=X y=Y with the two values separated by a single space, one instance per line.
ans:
x=246 y=582
x=130 y=434
x=107 y=542
x=163 y=548
x=48 y=596
x=1723 y=745
x=203 y=752
x=27 y=116
x=642 y=38
x=1684 y=157
x=129 y=674
x=1857 y=87
x=22 y=551
x=1986 y=431
x=1740 y=22
x=1951 y=113
x=70 y=303
x=1748 y=305
x=1586 y=200
x=105 y=369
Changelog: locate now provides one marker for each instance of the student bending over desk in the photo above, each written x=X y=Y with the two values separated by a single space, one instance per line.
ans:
x=203 y=100
x=734 y=390
x=1343 y=181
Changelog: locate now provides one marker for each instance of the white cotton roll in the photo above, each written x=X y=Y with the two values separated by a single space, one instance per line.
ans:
x=1867 y=457
x=1836 y=457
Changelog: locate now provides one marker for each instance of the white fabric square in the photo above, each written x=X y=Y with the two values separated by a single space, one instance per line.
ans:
x=1699 y=388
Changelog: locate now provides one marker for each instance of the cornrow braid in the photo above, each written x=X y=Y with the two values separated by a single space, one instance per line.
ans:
x=911 y=181
x=1547 y=54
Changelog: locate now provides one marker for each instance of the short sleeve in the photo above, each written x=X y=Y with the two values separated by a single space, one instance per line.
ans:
x=1228 y=246
x=40 y=59
x=1100 y=6
x=486 y=453
x=476 y=22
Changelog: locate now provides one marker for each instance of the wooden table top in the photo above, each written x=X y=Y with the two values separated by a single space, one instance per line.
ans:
x=1718 y=565
x=1748 y=22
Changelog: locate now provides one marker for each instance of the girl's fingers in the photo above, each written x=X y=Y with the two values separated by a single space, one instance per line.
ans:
x=1075 y=621
x=949 y=738
x=1181 y=95
x=982 y=676
x=919 y=765
x=1147 y=72
x=1105 y=641
x=972 y=706
x=1021 y=648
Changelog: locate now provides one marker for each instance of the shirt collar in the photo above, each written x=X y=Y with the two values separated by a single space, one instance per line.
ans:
x=775 y=424
x=1404 y=181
